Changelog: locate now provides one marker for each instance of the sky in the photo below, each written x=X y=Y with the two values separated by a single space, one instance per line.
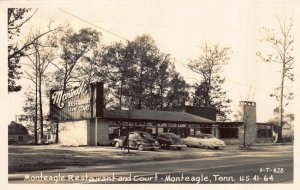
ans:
x=179 y=28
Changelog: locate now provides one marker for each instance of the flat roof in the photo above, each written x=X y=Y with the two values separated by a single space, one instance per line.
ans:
x=155 y=116
x=237 y=123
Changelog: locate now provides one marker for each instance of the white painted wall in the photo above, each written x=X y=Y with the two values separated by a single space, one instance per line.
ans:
x=73 y=133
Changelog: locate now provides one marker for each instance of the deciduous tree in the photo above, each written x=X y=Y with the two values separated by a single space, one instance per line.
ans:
x=75 y=46
x=118 y=70
x=177 y=93
x=208 y=91
x=144 y=56
x=17 y=17
x=158 y=101
x=280 y=44
x=40 y=57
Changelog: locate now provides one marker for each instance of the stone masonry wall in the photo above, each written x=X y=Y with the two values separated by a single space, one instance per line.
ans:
x=248 y=116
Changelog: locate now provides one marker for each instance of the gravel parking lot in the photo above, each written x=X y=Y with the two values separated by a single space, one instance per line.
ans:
x=46 y=157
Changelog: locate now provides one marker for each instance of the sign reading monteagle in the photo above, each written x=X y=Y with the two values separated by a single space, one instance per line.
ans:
x=83 y=102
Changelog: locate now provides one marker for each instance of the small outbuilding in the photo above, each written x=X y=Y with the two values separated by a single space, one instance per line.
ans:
x=17 y=133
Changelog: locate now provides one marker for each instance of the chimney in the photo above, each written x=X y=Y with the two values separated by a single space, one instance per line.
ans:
x=248 y=117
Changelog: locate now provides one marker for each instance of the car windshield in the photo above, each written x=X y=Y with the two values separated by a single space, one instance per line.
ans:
x=145 y=135
x=172 y=136
x=205 y=136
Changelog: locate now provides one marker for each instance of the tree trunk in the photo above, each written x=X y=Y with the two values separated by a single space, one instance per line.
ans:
x=140 y=88
x=36 y=102
x=39 y=74
x=41 y=104
x=64 y=88
x=279 y=139
x=121 y=93
x=161 y=98
x=208 y=89
x=127 y=136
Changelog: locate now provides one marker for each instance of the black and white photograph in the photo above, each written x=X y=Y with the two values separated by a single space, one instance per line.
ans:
x=150 y=94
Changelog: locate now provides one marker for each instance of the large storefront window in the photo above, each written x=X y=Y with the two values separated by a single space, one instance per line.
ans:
x=21 y=138
x=181 y=132
x=205 y=130
x=114 y=132
x=229 y=133
x=264 y=132
x=150 y=130
x=117 y=128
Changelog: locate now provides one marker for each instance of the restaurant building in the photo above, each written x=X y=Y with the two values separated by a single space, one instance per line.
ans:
x=83 y=120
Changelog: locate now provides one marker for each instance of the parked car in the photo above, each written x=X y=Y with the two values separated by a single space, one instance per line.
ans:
x=204 y=141
x=139 y=140
x=170 y=140
x=30 y=142
x=12 y=141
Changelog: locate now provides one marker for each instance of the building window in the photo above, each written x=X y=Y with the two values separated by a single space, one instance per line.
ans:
x=181 y=132
x=205 y=130
x=166 y=130
x=21 y=138
x=123 y=131
x=229 y=133
x=160 y=130
x=114 y=132
x=264 y=133
x=149 y=131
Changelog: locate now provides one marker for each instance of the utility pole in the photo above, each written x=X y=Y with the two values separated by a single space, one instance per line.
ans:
x=245 y=124
x=36 y=102
x=96 y=132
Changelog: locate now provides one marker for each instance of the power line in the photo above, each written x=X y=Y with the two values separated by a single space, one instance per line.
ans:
x=121 y=37
x=184 y=65
x=112 y=33
x=83 y=20
x=235 y=82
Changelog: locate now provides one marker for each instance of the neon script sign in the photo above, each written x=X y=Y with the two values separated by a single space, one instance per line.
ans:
x=59 y=97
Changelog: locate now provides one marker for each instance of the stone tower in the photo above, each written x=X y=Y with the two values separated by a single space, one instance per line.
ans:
x=248 y=117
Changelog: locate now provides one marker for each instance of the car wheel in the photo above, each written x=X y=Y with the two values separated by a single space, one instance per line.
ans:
x=117 y=144
x=165 y=146
x=140 y=147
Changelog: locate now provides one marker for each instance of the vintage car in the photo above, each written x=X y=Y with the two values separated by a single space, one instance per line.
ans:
x=170 y=140
x=137 y=139
x=204 y=141
x=12 y=141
